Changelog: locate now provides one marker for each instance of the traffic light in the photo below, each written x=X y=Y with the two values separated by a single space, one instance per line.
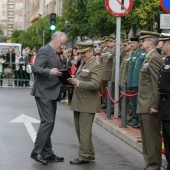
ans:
x=52 y=21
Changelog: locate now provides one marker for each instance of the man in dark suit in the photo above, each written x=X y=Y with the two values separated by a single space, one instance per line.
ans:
x=86 y=101
x=147 y=105
x=47 y=90
x=164 y=100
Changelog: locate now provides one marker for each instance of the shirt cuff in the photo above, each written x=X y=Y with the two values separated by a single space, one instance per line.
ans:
x=78 y=84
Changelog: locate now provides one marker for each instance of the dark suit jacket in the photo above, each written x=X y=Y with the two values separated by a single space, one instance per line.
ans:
x=46 y=86
x=12 y=59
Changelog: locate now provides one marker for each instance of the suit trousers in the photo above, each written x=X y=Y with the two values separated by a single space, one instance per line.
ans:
x=83 y=124
x=151 y=141
x=166 y=136
x=47 y=112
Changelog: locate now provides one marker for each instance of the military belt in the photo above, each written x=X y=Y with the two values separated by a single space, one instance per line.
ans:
x=164 y=95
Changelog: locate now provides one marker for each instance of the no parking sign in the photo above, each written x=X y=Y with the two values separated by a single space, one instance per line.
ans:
x=119 y=8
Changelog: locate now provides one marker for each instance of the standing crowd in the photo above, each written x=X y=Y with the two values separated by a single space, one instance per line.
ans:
x=16 y=66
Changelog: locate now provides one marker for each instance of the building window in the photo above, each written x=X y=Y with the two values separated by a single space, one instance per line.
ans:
x=20 y=6
x=3 y=13
x=10 y=26
x=10 y=1
x=11 y=13
x=11 y=6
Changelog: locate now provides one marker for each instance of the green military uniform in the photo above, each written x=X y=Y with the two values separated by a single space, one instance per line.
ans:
x=148 y=98
x=140 y=56
x=123 y=74
x=104 y=54
x=86 y=102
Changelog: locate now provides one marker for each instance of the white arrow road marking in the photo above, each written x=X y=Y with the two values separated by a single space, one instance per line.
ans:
x=27 y=121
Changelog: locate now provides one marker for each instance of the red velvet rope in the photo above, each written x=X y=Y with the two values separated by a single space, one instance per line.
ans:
x=129 y=95
x=110 y=96
x=121 y=96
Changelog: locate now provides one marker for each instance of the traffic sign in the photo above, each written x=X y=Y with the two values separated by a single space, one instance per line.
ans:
x=165 y=4
x=119 y=8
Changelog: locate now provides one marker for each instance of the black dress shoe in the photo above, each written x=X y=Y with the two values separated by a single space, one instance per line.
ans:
x=38 y=158
x=91 y=158
x=53 y=158
x=136 y=126
x=103 y=107
x=131 y=124
x=78 y=161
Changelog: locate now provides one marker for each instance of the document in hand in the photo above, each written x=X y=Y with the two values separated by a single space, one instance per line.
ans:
x=64 y=77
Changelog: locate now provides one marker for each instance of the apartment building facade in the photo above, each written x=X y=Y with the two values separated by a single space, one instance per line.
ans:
x=20 y=14
x=11 y=15
x=34 y=9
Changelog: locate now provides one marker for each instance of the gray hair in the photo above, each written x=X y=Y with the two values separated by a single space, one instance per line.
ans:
x=58 y=35
x=155 y=41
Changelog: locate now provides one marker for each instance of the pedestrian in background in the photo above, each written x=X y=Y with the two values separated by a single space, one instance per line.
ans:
x=164 y=100
x=17 y=71
x=23 y=61
x=47 y=91
x=147 y=105
x=1 y=68
x=86 y=101
x=10 y=60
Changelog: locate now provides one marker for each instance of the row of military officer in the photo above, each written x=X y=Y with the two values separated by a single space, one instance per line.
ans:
x=147 y=73
x=131 y=59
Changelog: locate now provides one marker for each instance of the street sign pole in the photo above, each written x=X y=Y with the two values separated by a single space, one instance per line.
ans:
x=118 y=8
x=118 y=28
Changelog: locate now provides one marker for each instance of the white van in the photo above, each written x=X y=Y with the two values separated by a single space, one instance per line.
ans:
x=5 y=46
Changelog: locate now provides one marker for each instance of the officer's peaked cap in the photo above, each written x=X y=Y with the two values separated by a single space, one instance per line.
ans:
x=84 y=46
x=164 y=36
x=149 y=34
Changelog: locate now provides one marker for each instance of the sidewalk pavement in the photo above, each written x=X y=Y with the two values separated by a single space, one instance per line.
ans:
x=129 y=135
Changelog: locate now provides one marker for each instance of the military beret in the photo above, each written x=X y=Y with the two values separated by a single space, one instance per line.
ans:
x=84 y=46
x=164 y=37
x=148 y=34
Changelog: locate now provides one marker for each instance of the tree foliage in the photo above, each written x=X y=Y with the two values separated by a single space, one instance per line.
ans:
x=33 y=36
x=91 y=18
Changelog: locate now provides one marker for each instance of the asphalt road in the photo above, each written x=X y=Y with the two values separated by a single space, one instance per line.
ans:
x=16 y=144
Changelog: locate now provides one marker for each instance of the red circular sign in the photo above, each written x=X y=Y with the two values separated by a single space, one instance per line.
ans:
x=119 y=8
x=165 y=6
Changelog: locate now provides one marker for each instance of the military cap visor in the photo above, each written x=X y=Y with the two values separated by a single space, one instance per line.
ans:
x=164 y=37
x=135 y=39
x=148 y=34
x=84 y=46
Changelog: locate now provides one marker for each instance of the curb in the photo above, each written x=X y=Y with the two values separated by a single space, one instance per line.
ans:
x=134 y=142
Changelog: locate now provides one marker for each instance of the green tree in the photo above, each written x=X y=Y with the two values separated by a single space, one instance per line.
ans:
x=144 y=15
x=33 y=36
x=86 y=18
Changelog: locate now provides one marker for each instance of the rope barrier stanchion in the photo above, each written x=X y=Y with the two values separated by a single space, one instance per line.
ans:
x=108 y=109
x=123 y=108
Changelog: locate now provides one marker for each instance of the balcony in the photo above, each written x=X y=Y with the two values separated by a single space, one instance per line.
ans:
x=34 y=17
